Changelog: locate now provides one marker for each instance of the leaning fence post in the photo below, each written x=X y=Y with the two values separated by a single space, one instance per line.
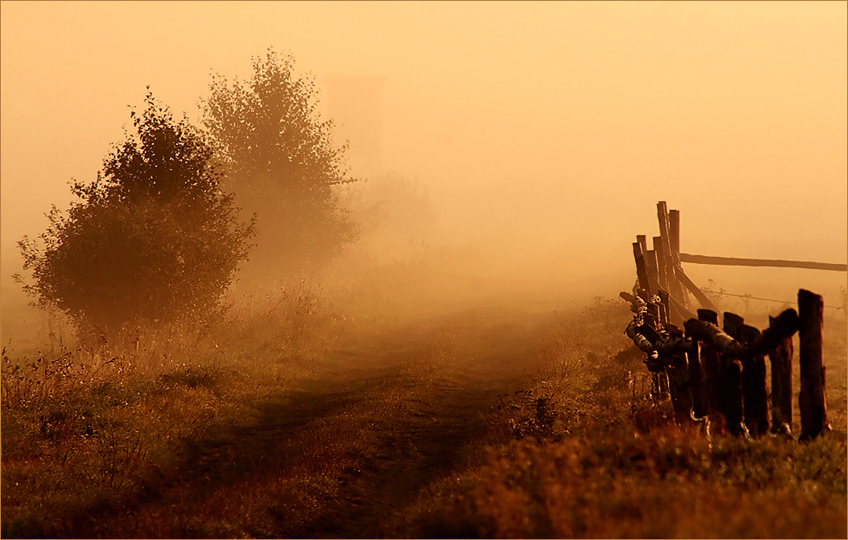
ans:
x=662 y=246
x=665 y=307
x=643 y=241
x=650 y=285
x=811 y=399
x=651 y=266
x=698 y=293
x=781 y=384
x=662 y=263
x=674 y=243
x=673 y=315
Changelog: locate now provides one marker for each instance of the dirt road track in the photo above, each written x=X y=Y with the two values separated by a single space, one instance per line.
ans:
x=340 y=454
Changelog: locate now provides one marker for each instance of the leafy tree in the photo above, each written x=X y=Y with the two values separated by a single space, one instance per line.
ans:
x=153 y=238
x=281 y=163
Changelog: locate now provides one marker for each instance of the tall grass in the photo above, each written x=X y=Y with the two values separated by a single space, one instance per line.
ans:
x=188 y=433
x=92 y=427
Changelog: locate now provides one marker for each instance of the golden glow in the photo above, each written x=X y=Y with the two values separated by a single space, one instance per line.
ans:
x=544 y=132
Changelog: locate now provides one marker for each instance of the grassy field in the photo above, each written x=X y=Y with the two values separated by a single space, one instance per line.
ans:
x=295 y=418
x=583 y=455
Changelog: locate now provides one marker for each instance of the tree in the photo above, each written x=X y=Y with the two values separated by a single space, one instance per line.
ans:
x=152 y=239
x=281 y=163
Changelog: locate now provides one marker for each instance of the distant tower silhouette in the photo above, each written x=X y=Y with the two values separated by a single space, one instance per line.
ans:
x=355 y=103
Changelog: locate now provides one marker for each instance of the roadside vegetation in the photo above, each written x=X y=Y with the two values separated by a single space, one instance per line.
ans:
x=87 y=431
x=583 y=452
x=289 y=420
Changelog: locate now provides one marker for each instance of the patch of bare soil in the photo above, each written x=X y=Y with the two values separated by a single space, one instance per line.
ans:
x=342 y=453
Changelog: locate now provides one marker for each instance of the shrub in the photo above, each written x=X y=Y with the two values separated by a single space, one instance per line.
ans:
x=153 y=239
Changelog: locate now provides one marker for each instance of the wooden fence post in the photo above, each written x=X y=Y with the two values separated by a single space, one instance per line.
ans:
x=641 y=272
x=811 y=398
x=663 y=307
x=710 y=361
x=675 y=377
x=696 y=381
x=643 y=241
x=662 y=263
x=754 y=393
x=667 y=282
x=677 y=288
x=679 y=387
x=731 y=382
x=663 y=240
x=781 y=384
x=650 y=285
x=651 y=266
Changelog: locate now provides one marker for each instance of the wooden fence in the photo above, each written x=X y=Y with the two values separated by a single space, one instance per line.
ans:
x=718 y=374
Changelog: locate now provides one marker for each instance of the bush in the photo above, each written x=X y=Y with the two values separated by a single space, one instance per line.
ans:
x=153 y=239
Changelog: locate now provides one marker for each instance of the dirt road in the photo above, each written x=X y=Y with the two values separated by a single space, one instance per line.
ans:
x=341 y=453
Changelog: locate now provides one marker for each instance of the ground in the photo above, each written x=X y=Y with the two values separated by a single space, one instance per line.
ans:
x=484 y=422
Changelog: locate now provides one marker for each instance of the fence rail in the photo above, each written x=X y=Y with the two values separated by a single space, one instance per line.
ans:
x=775 y=263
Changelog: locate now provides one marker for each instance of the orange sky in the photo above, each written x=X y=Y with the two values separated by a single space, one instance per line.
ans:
x=537 y=127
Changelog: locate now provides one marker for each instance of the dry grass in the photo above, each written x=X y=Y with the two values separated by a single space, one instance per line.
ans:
x=585 y=454
x=623 y=484
x=288 y=420
x=85 y=431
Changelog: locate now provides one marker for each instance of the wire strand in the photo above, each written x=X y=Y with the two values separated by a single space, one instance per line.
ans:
x=764 y=299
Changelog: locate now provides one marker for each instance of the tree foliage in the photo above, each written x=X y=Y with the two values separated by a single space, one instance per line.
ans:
x=153 y=238
x=281 y=162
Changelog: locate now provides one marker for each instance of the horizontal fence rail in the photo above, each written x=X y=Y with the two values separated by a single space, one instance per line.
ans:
x=774 y=263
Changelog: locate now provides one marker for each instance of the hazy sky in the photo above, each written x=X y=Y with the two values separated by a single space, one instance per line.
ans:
x=543 y=127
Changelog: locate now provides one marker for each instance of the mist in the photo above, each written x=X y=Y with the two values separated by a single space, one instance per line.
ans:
x=354 y=269
x=533 y=140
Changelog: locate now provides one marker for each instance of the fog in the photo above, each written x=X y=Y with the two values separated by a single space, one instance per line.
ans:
x=539 y=136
